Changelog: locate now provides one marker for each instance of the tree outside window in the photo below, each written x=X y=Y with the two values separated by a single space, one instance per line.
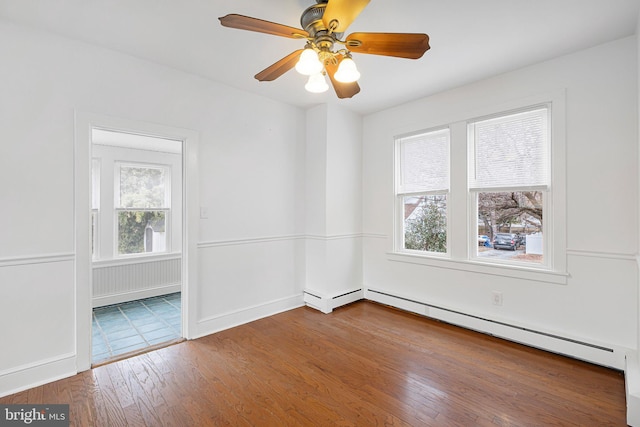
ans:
x=425 y=227
x=143 y=208
x=421 y=192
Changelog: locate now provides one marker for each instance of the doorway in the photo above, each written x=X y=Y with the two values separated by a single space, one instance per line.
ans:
x=136 y=242
x=162 y=239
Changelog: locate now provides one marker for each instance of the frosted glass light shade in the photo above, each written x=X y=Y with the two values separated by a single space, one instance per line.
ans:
x=316 y=83
x=347 y=71
x=309 y=63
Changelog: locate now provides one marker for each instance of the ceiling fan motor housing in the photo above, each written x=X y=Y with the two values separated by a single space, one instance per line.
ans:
x=311 y=21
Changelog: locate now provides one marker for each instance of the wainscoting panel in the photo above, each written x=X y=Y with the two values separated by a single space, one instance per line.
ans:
x=37 y=312
x=126 y=280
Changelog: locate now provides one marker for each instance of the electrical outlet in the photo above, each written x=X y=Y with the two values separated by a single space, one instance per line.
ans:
x=496 y=297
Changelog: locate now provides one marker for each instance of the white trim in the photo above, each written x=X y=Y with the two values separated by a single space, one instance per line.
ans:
x=247 y=241
x=292 y=237
x=596 y=254
x=493 y=269
x=334 y=237
x=375 y=235
x=101 y=301
x=36 y=259
x=632 y=388
x=37 y=373
x=245 y=315
x=141 y=259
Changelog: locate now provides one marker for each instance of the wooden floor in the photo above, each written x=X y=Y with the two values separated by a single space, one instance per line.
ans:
x=364 y=364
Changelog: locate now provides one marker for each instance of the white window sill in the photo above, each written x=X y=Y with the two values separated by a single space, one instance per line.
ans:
x=517 y=272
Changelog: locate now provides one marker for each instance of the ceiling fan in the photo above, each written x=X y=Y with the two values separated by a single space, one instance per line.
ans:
x=323 y=26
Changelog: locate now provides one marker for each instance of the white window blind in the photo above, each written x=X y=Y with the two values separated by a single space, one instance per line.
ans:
x=510 y=151
x=424 y=162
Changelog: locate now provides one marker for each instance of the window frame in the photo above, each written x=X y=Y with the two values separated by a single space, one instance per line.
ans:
x=547 y=190
x=459 y=207
x=399 y=220
x=117 y=209
x=96 y=194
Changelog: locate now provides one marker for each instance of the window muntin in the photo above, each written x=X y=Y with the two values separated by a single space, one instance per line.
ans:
x=509 y=185
x=142 y=208
x=421 y=192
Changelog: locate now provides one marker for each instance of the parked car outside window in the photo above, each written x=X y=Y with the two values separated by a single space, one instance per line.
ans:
x=507 y=241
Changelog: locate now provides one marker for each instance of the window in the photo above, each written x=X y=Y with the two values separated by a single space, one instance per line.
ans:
x=142 y=208
x=509 y=185
x=486 y=193
x=422 y=186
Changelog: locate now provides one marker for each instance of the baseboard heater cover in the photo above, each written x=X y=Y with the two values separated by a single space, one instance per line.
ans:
x=326 y=304
x=483 y=319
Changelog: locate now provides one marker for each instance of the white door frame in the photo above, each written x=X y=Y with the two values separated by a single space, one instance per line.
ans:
x=84 y=123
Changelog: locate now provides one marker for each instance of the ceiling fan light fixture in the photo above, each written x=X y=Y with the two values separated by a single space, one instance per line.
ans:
x=347 y=71
x=309 y=63
x=316 y=83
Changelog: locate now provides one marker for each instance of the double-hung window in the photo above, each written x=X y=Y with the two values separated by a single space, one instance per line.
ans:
x=422 y=187
x=142 y=208
x=509 y=183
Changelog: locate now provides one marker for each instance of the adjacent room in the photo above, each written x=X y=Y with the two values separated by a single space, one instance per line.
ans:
x=445 y=200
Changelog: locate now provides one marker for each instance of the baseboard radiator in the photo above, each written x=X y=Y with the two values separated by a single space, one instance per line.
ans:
x=119 y=281
x=575 y=348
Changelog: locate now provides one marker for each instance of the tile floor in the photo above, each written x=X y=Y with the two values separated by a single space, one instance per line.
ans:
x=134 y=325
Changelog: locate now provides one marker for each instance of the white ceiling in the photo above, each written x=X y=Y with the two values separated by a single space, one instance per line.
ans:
x=470 y=39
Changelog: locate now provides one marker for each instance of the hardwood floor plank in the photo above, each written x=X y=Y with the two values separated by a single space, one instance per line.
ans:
x=362 y=365
x=115 y=412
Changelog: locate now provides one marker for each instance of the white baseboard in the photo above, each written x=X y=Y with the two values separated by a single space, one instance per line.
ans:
x=575 y=347
x=327 y=303
x=229 y=320
x=632 y=388
x=101 y=301
x=35 y=374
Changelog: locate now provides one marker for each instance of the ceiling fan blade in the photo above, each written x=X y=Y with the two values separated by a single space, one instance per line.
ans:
x=242 y=22
x=401 y=45
x=343 y=90
x=339 y=14
x=279 y=68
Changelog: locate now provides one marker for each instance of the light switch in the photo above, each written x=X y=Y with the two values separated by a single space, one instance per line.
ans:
x=204 y=212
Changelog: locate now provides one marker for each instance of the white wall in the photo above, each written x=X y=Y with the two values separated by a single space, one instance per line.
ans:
x=598 y=304
x=632 y=367
x=333 y=212
x=250 y=162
